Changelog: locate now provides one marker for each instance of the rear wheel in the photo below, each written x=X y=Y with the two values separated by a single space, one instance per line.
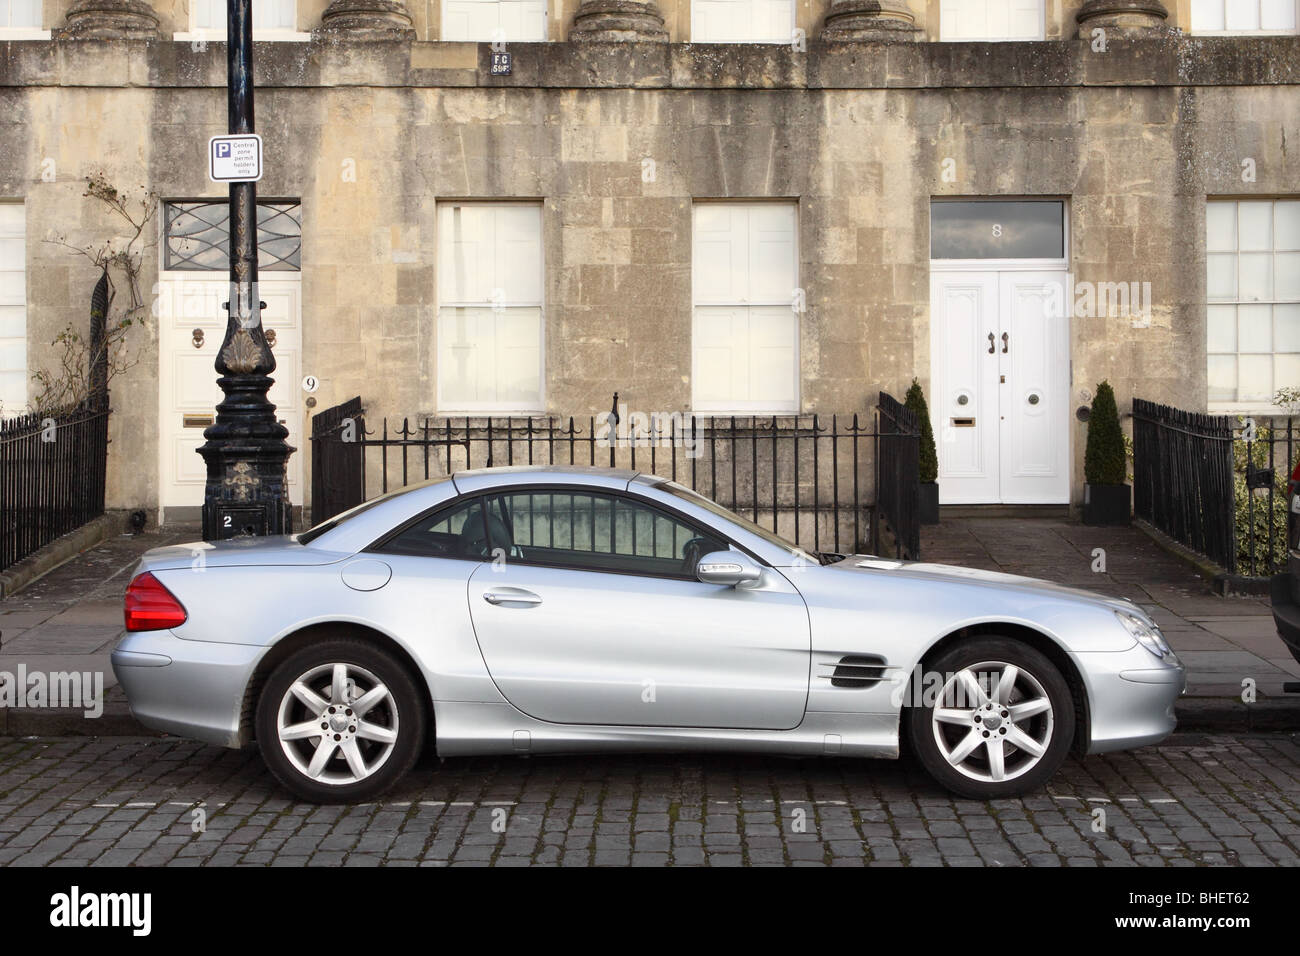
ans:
x=1000 y=723
x=340 y=721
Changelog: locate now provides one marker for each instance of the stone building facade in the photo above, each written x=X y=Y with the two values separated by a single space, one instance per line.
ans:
x=751 y=206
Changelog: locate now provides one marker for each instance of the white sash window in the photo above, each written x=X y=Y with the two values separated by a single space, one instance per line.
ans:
x=1252 y=257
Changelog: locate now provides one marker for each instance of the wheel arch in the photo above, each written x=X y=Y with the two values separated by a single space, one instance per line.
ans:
x=1045 y=644
x=296 y=640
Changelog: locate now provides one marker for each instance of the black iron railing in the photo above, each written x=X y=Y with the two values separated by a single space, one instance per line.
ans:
x=1263 y=457
x=1216 y=483
x=338 y=459
x=1182 y=478
x=811 y=478
x=51 y=478
x=898 y=465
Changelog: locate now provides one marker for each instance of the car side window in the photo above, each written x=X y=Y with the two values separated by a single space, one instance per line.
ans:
x=455 y=532
x=598 y=532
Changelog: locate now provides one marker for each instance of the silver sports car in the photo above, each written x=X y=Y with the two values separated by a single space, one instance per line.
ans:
x=544 y=610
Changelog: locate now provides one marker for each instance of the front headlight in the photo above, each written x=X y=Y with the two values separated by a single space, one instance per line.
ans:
x=1148 y=635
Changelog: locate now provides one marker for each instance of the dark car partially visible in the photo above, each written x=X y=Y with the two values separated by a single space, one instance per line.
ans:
x=1285 y=587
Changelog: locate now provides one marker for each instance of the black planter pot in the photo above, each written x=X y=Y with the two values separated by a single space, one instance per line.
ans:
x=1106 y=504
x=927 y=502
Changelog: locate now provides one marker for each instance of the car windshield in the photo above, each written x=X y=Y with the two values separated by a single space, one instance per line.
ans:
x=329 y=524
x=771 y=537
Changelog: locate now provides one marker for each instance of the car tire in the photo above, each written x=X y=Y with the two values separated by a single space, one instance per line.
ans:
x=1003 y=735
x=329 y=750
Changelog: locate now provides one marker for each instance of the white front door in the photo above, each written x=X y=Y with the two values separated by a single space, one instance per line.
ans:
x=1000 y=387
x=191 y=324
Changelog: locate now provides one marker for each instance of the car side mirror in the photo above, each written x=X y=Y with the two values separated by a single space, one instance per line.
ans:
x=732 y=569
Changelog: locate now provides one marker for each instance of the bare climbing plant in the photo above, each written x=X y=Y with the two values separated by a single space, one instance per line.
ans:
x=119 y=259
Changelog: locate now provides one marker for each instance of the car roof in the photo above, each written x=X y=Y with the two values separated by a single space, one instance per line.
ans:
x=479 y=479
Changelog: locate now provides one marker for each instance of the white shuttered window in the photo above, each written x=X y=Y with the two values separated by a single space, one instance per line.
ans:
x=742 y=21
x=13 y=310
x=745 y=331
x=510 y=21
x=22 y=15
x=991 y=20
x=1244 y=16
x=490 y=300
x=278 y=16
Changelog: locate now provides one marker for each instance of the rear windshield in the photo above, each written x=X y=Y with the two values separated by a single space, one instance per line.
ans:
x=329 y=524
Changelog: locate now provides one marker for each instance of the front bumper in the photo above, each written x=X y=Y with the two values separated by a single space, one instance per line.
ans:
x=188 y=688
x=1286 y=613
x=1131 y=697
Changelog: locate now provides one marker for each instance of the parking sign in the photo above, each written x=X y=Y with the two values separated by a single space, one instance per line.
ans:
x=235 y=159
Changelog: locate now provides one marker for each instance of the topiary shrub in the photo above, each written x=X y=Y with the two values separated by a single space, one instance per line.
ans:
x=929 y=457
x=1104 y=460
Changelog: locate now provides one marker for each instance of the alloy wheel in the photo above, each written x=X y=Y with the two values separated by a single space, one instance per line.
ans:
x=992 y=721
x=337 y=723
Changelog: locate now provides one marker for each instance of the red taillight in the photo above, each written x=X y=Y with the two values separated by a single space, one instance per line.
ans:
x=151 y=607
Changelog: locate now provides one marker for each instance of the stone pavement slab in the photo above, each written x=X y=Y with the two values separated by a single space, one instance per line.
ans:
x=69 y=620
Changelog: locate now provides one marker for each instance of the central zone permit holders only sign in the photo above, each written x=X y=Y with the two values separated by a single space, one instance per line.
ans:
x=235 y=159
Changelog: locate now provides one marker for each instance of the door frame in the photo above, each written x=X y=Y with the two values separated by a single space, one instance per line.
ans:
x=997 y=267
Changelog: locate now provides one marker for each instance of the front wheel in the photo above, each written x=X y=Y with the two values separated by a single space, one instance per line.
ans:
x=995 y=719
x=340 y=721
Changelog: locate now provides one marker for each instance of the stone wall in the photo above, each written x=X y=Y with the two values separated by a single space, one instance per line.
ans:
x=1135 y=138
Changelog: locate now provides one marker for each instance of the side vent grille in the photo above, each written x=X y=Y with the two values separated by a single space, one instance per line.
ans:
x=858 y=670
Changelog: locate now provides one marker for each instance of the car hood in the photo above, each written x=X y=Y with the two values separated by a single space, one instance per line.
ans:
x=237 y=552
x=918 y=570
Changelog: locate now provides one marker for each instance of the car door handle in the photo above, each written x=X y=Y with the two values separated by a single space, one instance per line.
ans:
x=497 y=598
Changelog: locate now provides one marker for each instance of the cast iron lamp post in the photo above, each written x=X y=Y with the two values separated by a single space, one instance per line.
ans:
x=246 y=491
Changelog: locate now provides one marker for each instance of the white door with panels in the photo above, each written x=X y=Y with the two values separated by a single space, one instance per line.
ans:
x=1000 y=386
x=191 y=326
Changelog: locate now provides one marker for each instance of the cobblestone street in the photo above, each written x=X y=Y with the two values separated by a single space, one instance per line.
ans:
x=1195 y=800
